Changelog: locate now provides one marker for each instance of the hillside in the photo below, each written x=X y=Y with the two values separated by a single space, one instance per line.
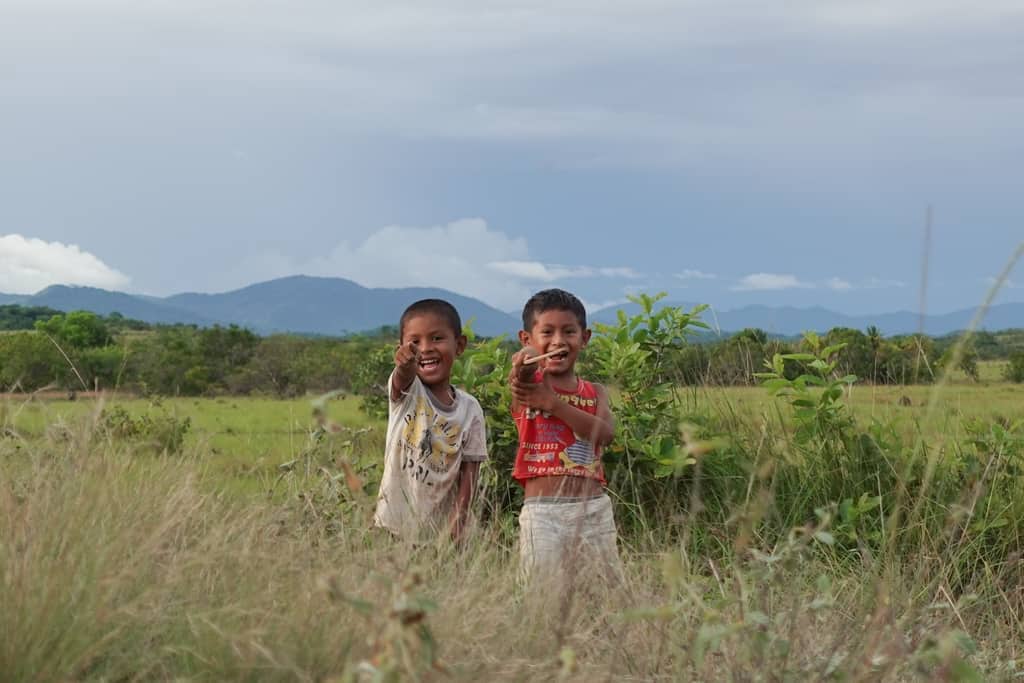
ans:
x=309 y=305
x=335 y=306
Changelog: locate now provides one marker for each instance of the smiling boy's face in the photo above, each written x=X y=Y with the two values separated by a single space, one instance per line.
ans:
x=553 y=330
x=438 y=346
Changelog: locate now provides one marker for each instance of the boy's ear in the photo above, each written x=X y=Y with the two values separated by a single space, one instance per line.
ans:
x=586 y=336
x=524 y=337
x=460 y=344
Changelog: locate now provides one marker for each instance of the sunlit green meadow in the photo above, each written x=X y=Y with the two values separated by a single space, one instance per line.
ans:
x=242 y=442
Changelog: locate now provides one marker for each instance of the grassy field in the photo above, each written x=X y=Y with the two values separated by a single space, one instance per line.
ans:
x=245 y=440
x=240 y=442
x=247 y=556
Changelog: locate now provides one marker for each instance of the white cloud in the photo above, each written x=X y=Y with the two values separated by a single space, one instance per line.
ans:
x=838 y=284
x=877 y=283
x=534 y=270
x=28 y=265
x=778 y=281
x=691 y=274
x=595 y=306
x=526 y=270
x=465 y=256
x=452 y=256
x=769 y=281
x=619 y=271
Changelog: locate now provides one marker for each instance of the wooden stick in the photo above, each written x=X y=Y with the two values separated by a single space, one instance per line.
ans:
x=535 y=359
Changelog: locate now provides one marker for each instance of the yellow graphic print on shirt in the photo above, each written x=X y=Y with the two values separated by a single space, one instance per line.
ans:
x=430 y=441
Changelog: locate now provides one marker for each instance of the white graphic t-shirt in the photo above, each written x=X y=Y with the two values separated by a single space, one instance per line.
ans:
x=425 y=447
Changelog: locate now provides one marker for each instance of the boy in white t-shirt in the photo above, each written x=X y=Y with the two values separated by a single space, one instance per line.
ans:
x=436 y=436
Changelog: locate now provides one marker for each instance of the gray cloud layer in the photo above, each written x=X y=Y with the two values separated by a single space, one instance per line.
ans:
x=238 y=135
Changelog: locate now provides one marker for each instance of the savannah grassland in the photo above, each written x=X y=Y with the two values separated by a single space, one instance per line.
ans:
x=244 y=553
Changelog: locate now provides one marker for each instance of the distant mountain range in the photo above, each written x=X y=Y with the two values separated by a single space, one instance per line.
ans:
x=334 y=306
x=788 y=320
x=300 y=304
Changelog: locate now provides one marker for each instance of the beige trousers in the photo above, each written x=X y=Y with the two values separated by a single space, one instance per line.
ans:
x=568 y=538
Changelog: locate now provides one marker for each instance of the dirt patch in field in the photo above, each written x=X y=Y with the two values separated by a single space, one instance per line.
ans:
x=64 y=395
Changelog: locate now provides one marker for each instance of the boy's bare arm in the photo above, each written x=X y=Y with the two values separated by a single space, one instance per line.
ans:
x=469 y=473
x=598 y=429
x=406 y=357
x=521 y=372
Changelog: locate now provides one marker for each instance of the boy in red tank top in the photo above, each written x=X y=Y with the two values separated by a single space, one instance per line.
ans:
x=566 y=525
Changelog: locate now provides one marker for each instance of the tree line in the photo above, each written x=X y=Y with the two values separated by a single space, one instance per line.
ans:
x=42 y=348
x=83 y=351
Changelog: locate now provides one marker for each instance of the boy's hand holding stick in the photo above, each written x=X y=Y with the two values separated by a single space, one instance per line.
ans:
x=537 y=359
x=523 y=362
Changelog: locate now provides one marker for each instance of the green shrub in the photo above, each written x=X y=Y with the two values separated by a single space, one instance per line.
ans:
x=1014 y=371
x=156 y=430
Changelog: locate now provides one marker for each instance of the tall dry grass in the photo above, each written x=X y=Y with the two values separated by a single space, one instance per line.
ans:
x=122 y=565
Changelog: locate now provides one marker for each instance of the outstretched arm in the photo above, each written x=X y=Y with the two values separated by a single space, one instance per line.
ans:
x=406 y=357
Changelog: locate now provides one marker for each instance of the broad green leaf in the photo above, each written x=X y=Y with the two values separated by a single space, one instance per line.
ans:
x=774 y=385
x=829 y=350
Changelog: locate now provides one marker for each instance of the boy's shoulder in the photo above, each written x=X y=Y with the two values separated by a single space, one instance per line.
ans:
x=583 y=381
x=472 y=404
x=414 y=389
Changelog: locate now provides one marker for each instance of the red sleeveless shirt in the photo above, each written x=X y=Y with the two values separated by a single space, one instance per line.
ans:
x=548 y=446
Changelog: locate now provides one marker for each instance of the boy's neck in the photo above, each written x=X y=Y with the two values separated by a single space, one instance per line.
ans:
x=566 y=381
x=443 y=392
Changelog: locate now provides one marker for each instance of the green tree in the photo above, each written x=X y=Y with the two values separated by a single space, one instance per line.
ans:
x=740 y=356
x=1014 y=371
x=968 y=362
x=875 y=341
x=100 y=367
x=77 y=329
x=222 y=351
x=157 y=363
x=858 y=357
x=15 y=317
x=874 y=336
x=28 y=361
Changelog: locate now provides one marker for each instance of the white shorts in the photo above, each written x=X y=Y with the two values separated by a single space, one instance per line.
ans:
x=568 y=538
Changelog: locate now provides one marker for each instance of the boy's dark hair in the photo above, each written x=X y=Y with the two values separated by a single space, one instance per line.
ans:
x=553 y=300
x=438 y=307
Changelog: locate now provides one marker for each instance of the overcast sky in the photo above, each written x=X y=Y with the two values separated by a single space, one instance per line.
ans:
x=726 y=152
